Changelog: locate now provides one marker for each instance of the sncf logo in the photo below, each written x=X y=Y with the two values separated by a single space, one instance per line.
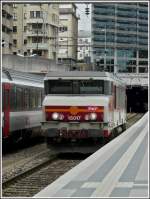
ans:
x=74 y=110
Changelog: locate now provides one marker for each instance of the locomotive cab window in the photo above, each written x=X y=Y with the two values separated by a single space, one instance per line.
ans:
x=90 y=87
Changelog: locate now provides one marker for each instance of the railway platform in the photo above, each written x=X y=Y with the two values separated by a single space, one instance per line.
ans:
x=119 y=169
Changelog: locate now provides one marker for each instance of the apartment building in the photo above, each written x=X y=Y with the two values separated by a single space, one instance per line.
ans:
x=120 y=36
x=36 y=29
x=19 y=29
x=7 y=27
x=68 y=34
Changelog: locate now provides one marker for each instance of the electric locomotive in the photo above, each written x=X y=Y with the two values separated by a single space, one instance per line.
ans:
x=81 y=108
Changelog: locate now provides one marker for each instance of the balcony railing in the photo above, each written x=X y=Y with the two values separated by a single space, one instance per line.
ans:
x=36 y=32
x=39 y=46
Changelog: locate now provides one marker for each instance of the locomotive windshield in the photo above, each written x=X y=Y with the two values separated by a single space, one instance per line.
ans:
x=78 y=87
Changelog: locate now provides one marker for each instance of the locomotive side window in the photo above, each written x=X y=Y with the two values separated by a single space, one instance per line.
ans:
x=107 y=87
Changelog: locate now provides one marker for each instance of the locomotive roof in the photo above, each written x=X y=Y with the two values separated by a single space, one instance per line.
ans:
x=11 y=75
x=82 y=75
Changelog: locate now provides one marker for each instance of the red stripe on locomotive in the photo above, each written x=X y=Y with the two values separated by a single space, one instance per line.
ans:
x=76 y=111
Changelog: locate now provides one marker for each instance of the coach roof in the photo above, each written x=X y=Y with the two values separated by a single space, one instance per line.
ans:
x=82 y=75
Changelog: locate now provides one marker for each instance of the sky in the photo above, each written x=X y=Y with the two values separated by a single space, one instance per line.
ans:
x=85 y=21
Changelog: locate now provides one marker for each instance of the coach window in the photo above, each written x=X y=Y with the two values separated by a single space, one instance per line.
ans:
x=19 y=98
x=13 y=98
x=39 y=98
x=3 y=99
x=26 y=98
x=30 y=98
x=42 y=96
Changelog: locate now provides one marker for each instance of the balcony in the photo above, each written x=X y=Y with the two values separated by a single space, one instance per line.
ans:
x=7 y=22
x=36 y=20
x=35 y=32
x=39 y=46
x=7 y=37
x=8 y=8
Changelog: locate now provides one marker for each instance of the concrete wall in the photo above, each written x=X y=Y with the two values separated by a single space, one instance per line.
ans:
x=31 y=64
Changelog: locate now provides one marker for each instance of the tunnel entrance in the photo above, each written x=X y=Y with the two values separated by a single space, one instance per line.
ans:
x=137 y=99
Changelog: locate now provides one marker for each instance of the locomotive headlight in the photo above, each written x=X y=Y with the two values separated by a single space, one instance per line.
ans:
x=86 y=117
x=55 y=116
x=93 y=116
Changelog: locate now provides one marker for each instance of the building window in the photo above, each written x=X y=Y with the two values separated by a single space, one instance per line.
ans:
x=36 y=14
x=39 y=14
x=36 y=39
x=80 y=55
x=15 y=42
x=4 y=13
x=143 y=69
x=14 y=16
x=31 y=14
x=25 y=15
x=143 y=54
x=3 y=43
x=143 y=62
x=3 y=28
x=25 y=53
x=14 y=5
x=14 y=53
x=14 y=28
x=63 y=28
x=25 y=41
x=25 y=28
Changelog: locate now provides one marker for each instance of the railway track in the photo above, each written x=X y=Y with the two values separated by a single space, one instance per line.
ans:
x=132 y=118
x=31 y=182
x=29 y=177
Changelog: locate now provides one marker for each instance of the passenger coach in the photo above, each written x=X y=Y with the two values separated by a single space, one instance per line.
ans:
x=22 y=96
x=82 y=108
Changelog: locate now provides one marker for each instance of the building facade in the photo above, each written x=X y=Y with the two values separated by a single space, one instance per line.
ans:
x=7 y=27
x=36 y=29
x=19 y=29
x=84 y=46
x=120 y=37
x=68 y=34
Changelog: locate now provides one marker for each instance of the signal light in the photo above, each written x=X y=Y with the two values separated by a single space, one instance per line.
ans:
x=87 y=12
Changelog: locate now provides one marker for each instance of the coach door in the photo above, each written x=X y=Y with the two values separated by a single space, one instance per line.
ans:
x=6 y=109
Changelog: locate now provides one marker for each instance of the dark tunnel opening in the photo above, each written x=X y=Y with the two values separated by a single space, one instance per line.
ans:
x=137 y=99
